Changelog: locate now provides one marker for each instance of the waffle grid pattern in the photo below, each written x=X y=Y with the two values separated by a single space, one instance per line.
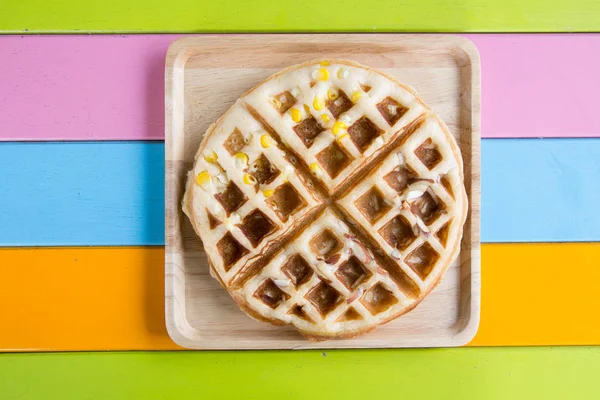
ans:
x=256 y=191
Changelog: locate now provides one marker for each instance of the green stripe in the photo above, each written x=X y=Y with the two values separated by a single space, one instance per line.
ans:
x=309 y=15
x=468 y=373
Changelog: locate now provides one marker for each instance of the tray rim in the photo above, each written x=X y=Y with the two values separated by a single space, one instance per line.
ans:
x=178 y=53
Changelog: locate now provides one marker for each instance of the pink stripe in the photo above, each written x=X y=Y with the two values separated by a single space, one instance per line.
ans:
x=111 y=87
x=544 y=85
x=82 y=87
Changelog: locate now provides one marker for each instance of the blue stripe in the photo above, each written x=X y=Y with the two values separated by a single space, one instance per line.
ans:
x=59 y=194
x=112 y=193
x=540 y=190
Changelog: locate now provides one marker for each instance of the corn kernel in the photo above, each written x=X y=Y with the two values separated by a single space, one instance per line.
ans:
x=249 y=179
x=356 y=95
x=277 y=103
x=332 y=94
x=317 y=104
x=342 y=137
x=268 y=192
x=265 y=141
x=314 y=168
x=241 y=160
x=325 y=118
x=342 y=73
x=296 y=115
x=324 y=63
x=210 y=156
x=322 y=74
x=203 y=178
x=338 y=127
x=307 y=109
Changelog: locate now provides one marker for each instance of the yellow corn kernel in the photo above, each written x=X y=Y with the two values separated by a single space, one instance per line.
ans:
x=296 y=115
x=332 y=94
x=324 y=63
x=203 y=178
x=325 y=118
x=338 y=127
x=317 y=104
x=265 y=141
x=322 y=74
x=342 y=137
x=307 y=109
x=268 y=192
x=342 y=73
x=241 y=160
x=210 y=156
x=249 y=179
x=314 y=168
x=356 y=95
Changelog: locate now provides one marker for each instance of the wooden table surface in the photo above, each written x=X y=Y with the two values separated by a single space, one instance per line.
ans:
x=82 y=197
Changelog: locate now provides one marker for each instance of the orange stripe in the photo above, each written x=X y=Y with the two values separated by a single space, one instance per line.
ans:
x=83 y=299
x=112 y=298
x=539 y=294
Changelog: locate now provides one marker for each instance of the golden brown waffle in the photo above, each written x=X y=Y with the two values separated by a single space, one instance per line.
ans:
x=328 y=197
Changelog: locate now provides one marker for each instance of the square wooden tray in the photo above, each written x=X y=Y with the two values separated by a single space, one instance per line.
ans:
x=206 y=74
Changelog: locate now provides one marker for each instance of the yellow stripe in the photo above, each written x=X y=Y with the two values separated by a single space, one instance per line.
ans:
x=112 y=298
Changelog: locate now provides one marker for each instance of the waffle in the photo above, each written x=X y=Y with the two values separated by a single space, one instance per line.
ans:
x=328 y=198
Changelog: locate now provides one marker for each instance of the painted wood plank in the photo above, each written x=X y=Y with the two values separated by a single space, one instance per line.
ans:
x=111 y=87
x=112 y=298
x=82 y=87
x=539 y=294
x=540 y=190
x=483 y=373
x=38 y=16
x=112 y=193
x=539 y=85
x=83 y=299
x=63 y=194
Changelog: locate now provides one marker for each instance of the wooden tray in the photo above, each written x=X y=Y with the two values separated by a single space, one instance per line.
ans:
x=206 y=74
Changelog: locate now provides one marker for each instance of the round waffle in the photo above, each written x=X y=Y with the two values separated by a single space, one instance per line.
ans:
x=328 y=197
